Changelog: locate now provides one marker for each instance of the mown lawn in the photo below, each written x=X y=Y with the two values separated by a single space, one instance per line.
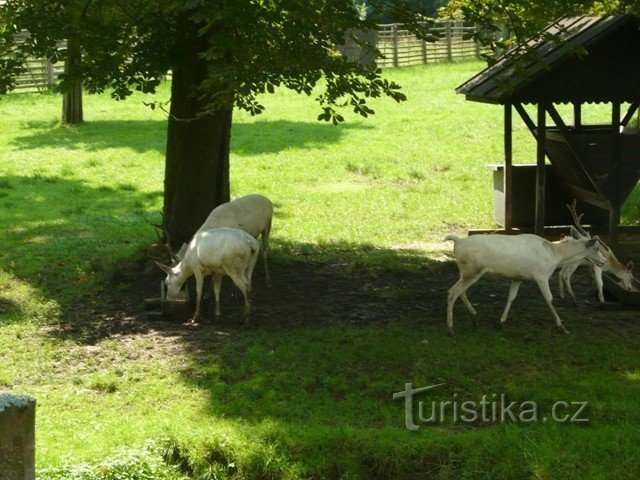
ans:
x=356 y=310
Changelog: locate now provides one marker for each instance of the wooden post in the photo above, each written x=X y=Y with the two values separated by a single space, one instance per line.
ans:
x=447 y=30
x=577 y=117
x=476 y=28
x=17 y=437
x=50 y=73
x=614 y=212
x=424 y=52
x=540 y=168
x=508 y=170
x=394 y=30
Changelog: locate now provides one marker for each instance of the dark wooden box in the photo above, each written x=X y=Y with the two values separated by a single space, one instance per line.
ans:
x=557 y=197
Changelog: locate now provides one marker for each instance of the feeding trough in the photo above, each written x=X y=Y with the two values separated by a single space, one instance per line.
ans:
x=158 y=308
x=575 y=60
x=621 y=294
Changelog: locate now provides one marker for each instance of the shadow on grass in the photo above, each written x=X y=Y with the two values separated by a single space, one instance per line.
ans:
x=72 y=242
x=343 y=327
x=261 y=137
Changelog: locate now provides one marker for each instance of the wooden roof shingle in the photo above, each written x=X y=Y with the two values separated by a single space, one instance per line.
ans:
x=574 y=59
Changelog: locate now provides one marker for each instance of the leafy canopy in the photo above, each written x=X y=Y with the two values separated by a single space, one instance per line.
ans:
x=523 y=19
x=249 y=46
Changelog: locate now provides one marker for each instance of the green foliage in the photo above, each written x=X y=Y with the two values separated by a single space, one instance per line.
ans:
x=144 y=464
x=507 y=24
x=249 y=47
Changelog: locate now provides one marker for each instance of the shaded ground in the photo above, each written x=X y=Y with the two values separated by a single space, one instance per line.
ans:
x=321 y=293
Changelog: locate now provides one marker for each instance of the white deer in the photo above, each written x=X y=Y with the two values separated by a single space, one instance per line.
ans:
x=251 y=213
x=611 y=263
x=518 y=258
x=217 y=252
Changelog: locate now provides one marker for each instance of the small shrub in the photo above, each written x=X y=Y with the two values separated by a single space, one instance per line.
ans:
x=416 y=174
x=144 y=464
x=105 y=382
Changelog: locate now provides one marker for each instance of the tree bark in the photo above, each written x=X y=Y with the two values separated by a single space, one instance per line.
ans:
x=197 y=159
x=72 y=113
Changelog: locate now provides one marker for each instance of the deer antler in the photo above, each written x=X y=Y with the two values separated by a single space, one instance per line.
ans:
x=577 y=218
x=162 y=227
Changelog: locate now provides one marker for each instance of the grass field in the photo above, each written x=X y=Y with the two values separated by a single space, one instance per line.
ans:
x=356 y=310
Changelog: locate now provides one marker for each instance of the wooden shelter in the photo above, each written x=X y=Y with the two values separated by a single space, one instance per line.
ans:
x=575 y=60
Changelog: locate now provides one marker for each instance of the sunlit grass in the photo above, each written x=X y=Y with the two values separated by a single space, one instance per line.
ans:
x=292 y=399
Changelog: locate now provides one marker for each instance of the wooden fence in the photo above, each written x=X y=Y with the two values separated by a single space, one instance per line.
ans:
x=401 y=48
x=39 y=74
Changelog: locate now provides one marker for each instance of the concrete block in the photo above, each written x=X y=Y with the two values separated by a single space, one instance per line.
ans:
x=17 y=437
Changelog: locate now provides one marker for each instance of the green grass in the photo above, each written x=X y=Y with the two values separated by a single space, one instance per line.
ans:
x=356 y=311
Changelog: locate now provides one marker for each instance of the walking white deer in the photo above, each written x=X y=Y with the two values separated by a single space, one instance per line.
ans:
x=611 y=263
x=251 y=213
x=518 y=258
x=217 y=252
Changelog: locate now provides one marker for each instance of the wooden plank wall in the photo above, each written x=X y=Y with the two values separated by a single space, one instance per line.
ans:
x=402 y=48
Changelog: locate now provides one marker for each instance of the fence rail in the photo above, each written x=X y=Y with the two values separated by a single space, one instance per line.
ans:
x=398 y=46
x=401 y=48
x=39 y=74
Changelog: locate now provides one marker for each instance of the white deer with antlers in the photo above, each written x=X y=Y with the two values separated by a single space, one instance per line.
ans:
x=611 y=263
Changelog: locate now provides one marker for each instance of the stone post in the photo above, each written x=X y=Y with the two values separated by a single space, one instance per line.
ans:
x=17 y=437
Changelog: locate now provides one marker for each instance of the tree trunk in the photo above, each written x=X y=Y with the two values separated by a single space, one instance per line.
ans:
x=72 y=98
x=197 y=161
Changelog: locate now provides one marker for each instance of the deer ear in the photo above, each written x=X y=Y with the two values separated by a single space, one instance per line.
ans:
x=591 y=242
x=164 y=268
x=575 y=233
x=629 y=265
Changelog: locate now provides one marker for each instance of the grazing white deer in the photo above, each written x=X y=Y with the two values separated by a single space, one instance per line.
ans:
x=217 y=252
x=518 y=258
x=251 y=213
x=611 y=263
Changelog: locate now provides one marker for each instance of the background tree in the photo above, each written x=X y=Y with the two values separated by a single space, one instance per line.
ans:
x=509 y=23
x=72 y=111
x=223 y=54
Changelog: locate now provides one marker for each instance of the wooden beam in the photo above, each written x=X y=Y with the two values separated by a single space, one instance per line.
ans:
x=568 y=139
x=629 y=115
x=508 y=166
x=525 y=118
x=540 y=168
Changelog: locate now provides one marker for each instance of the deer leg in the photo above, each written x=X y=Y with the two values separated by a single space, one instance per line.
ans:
x=513 y=291
x=543 y=284
x=265 y=247
x=597 y=276
x=458 y=289
x=472 y=310
x=199 y=281
x=244 y=286
x=217 y=281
